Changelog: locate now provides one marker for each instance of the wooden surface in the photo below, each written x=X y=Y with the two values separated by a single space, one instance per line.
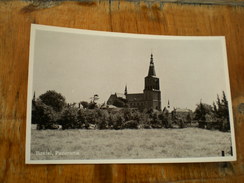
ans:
x=119 y=16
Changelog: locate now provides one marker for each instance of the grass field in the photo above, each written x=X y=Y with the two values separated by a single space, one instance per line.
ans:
x=128 y=144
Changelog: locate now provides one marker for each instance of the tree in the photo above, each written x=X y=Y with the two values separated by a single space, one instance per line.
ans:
x=69 y=118
x=43 y=115
x=53 y=99
x=222 y=112
x=215 y=110
x=201 y=111
x=94 y=98
x=222 y=107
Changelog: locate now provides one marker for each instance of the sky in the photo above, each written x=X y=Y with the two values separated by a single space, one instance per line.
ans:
x=79 y=64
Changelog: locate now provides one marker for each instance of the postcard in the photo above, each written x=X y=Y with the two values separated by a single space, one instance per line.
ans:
x=103 y=97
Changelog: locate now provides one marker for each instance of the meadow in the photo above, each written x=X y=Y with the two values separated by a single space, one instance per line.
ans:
x=127 y=144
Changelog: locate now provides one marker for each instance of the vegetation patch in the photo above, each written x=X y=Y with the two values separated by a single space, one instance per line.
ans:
x=127 y=143
x=50 y=111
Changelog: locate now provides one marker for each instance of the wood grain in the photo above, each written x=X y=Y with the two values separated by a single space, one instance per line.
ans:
x=119 y=16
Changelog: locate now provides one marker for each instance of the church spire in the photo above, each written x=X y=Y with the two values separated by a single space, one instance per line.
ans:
x=125 y=90
x=151 y=71
x=34 y=99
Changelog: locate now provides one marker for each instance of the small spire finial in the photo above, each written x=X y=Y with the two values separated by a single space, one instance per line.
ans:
x=125 y=90
x=151 y=58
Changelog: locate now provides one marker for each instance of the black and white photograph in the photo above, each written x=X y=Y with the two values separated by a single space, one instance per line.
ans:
x=104 y=97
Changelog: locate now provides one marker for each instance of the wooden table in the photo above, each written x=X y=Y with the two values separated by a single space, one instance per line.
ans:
x=183 y=17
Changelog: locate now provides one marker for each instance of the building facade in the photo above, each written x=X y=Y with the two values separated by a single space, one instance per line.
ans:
x=149 y=99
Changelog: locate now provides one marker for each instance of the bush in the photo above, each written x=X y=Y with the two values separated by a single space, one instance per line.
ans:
x=132 y=124
x=102 y=118
x=225 y=125
x=166 y=118
x=181 y=123
x=128 y=114
x=155 y=122
x=168 y=123
x=144 y=121
x=69 y=118
x=119 y=120
x=81 y=118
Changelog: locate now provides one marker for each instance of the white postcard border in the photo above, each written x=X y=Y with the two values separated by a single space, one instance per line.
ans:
x=35 y=27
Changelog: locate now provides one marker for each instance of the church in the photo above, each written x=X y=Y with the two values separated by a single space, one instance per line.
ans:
x=149 y=99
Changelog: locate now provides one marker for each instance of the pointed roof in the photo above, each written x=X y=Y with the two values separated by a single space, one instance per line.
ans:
x=169 y=107
x=151 y=71
x=125 y=90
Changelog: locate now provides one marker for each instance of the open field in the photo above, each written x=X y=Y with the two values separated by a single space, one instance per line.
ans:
x=127 y=144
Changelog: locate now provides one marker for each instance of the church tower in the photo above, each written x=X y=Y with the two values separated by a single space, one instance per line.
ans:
x=152 y=93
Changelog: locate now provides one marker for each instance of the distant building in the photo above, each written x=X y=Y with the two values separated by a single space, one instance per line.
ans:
x=116 y=97
x=182 y=113
x=168 y=108
x=149 y=99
